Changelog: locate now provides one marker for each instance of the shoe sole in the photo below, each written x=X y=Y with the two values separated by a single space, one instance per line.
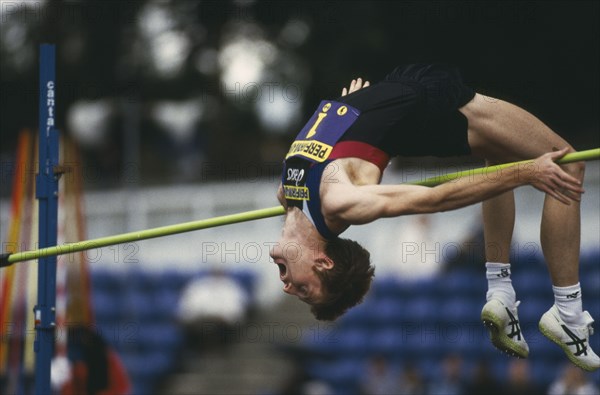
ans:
x=499 y=338
x=550 y=336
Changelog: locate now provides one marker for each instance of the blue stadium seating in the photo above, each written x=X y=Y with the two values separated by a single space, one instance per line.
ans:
x=533 y=306
x=387 y=341
x=423 y=321
x=459 y=310
x=341 y=371
x=421 y=287
x=348 y=342
x=106 y=280
x=590 y=280
x=160 y=336
x=420 y=308
x=529 y=281
x=164 y=301
x=386 y=311
x=106 y=305
x=136 y=314
x=386 y=287
x=359 y=316
x=420 y=322
x=462 y=283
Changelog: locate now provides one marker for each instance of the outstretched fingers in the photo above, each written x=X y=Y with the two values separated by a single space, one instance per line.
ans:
x=568 y=187
x=355 y=85
x=559 y=191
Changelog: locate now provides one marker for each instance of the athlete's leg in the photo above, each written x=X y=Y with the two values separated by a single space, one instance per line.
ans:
x=504 y=132
x=500 y=311
x=498 y=224
x=500 y=131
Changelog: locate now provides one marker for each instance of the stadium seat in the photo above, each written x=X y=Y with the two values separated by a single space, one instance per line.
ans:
x=139 y=305
x=106 y=305
x=532 y=308
x=160 y=336
x=105 y=280
x=590 y=276
x=386 y=287
x=531 y=282
x=387 y=312
x=174 y=279
x=352 y=342
x=463 y=283
x=166 y=303
x=460 y=309
x=429 y=367
x=387 y=341
x=590 y=257
x=546 y=371
x=421 y=309
x=343 y=371
x=145 y=369
x=359 y=316
x=410 y=289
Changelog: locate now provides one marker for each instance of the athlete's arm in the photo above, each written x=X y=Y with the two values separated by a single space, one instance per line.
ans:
x=362 y=204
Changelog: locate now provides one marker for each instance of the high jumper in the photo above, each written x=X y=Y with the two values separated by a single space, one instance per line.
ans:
x=331 y=180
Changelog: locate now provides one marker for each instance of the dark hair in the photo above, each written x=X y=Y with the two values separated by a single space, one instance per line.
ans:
x=346 y=284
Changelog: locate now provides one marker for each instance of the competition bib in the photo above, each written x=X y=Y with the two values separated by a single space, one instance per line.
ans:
x=327 y=125
x=294 y=182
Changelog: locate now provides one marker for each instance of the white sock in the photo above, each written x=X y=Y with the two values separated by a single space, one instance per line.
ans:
x=499 y=283
x=568 y=303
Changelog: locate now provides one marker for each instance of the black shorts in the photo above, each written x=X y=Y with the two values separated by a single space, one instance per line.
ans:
x=413 y=112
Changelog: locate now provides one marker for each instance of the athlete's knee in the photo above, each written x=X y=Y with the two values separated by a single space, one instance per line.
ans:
x=576 y=169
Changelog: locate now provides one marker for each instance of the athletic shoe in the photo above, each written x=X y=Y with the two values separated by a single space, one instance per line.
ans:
x=503 y=324
x=573 y=340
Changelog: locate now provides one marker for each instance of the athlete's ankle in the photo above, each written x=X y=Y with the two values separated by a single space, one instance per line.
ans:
x=499 y=283
x=569 y=305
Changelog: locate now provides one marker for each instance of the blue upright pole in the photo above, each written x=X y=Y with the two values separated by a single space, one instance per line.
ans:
x=47 y=195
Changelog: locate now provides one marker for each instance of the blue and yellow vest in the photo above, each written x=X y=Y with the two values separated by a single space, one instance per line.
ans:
x=308 y=156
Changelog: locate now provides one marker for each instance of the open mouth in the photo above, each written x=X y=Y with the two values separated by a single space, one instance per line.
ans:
x=282 y=270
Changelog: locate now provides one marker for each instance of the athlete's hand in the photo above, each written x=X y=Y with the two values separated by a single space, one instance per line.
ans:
x=355 y=85
x=549 y=177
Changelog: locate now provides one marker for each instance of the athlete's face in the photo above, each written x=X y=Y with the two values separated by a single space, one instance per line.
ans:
x=297 y=266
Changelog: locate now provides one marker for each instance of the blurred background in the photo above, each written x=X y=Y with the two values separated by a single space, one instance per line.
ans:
x=155 y=90
x=184 y=110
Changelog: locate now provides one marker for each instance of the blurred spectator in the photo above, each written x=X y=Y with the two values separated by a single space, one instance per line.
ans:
x=380 y=378
x=483 y=382
x=211 y=309
x=92 y=367
x=316 y=387
x=451 y=382
x=411 y=381
x=300 y=383
x=519 y=380
x=573 y=381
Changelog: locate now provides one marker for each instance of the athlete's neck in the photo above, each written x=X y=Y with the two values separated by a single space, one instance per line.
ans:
x=298 y=229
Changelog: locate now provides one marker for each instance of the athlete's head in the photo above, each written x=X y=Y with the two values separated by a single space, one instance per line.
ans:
x=347 y=282
x=331 y=278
